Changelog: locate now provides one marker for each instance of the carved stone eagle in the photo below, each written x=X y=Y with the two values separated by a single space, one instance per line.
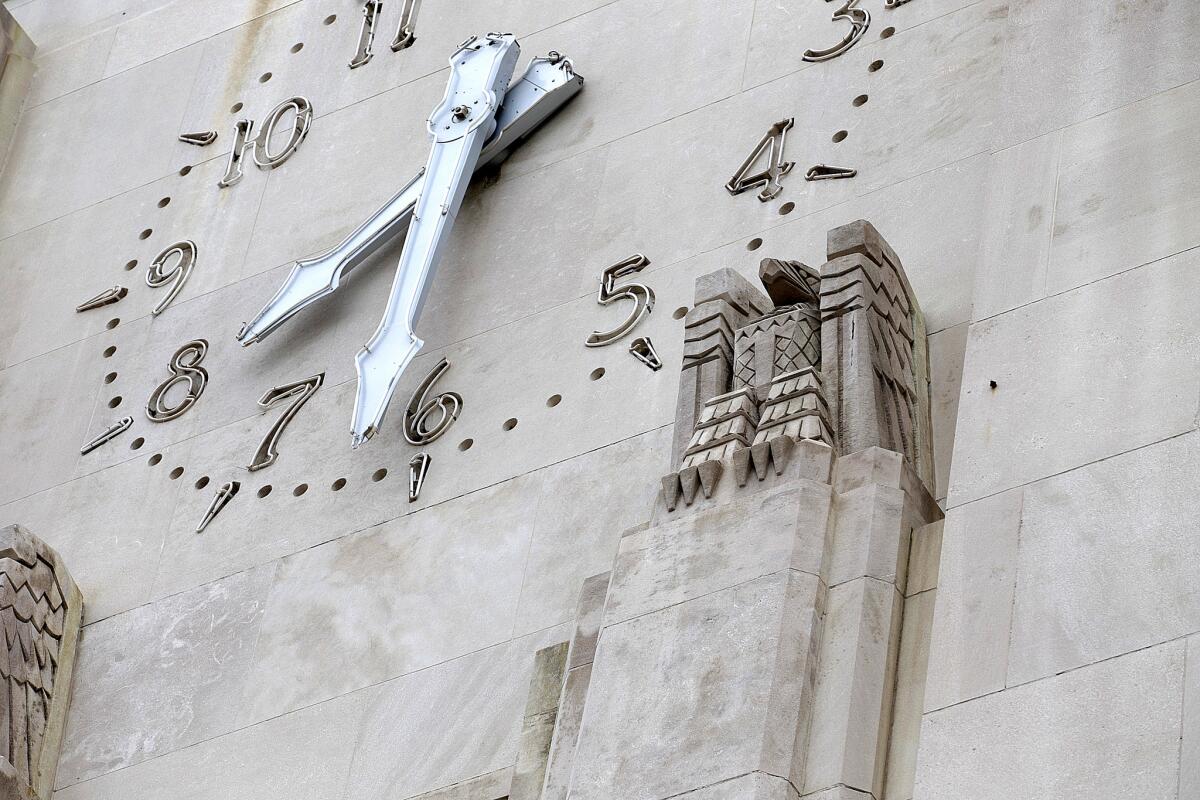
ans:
x=40 y=610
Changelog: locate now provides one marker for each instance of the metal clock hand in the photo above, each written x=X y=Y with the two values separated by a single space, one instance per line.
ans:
x=548 y=83
x=479 y=74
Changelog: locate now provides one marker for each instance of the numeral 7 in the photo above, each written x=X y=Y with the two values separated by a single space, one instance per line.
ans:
x=302 y=391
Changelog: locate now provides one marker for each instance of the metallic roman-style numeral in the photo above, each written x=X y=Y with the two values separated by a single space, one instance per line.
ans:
x=418 y=468
x=185 y=368
x=107 y=435
x=106 y=297
x=859 y=19
x=408 y=20
x=641 y=295
x=160 y=275
x=221 y=499
x=417 y=427
x=199 y=138
x=366 y=34
x=772 y=145
x=643 y=350
x=824 y=172
x=301 y=390
x=260 y=145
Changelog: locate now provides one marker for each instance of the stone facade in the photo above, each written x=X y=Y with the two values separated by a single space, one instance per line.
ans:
x=800 y=624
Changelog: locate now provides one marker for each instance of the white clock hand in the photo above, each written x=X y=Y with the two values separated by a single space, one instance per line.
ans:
x=465 y=119
x=548 y=83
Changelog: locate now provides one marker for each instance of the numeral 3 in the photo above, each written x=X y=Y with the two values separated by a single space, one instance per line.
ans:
x=859 y=19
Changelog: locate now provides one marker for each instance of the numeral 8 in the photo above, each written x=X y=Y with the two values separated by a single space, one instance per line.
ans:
x=185 y=367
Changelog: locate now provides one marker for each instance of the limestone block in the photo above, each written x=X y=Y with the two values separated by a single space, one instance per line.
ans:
x=1114 y=55
x=246 y=50
x=70 y=67
x=1021 y=184
x=782 y=33
x=16 y=73
x=391 y=600
x=704 y=41
x=1189 y=756
x=976 y=580
x=41 y=606
x=310 y=205
x=722 y=546
x=588 y=615
x=923 y=113
x=924 y=558
x=441 y=726
x=946 y=351
x=115 y=543
x=39 y=399
x=838 y=793
x=1107 y=731
x=783 y=464
x=882 y=467
x=585 y=504
x=1108 y=561
x=242 y=50
x=911 y=677
x=1038 y=421
x=171 y=26
x=577 y=529
x=755 y=786
x=955 y=194
x=492 y=786
x=566 y=733
x=538 y=725
x=496 y=270
x=163 y=676
x=930 y=99
x=871 y=533
x=571 y=704
x=699 y=692
x=51 y=30
x=34 y=188
x=299 y=756
x=851 y=717
x=1124 y=186
x=63 y=262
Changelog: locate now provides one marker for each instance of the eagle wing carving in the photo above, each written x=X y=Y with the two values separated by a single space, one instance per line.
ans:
x=40 y=613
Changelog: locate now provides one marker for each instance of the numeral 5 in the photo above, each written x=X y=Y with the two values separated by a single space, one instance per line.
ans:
x=641 y=295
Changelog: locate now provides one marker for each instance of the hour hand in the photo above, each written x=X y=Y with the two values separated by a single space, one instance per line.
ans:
x=479 y=74
x=314 y=278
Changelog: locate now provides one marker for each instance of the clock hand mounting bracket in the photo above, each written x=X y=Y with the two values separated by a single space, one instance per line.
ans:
x=480 y=120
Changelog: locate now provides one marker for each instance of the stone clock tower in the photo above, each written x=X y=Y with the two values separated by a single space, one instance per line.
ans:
x=599 y=399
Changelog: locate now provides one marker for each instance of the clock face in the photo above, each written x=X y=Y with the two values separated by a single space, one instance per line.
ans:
x=203 y=227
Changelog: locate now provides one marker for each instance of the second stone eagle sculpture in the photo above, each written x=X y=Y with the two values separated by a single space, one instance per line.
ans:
x=836 y=356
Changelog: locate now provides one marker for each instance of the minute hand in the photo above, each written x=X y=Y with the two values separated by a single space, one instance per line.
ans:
x=479 y=73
